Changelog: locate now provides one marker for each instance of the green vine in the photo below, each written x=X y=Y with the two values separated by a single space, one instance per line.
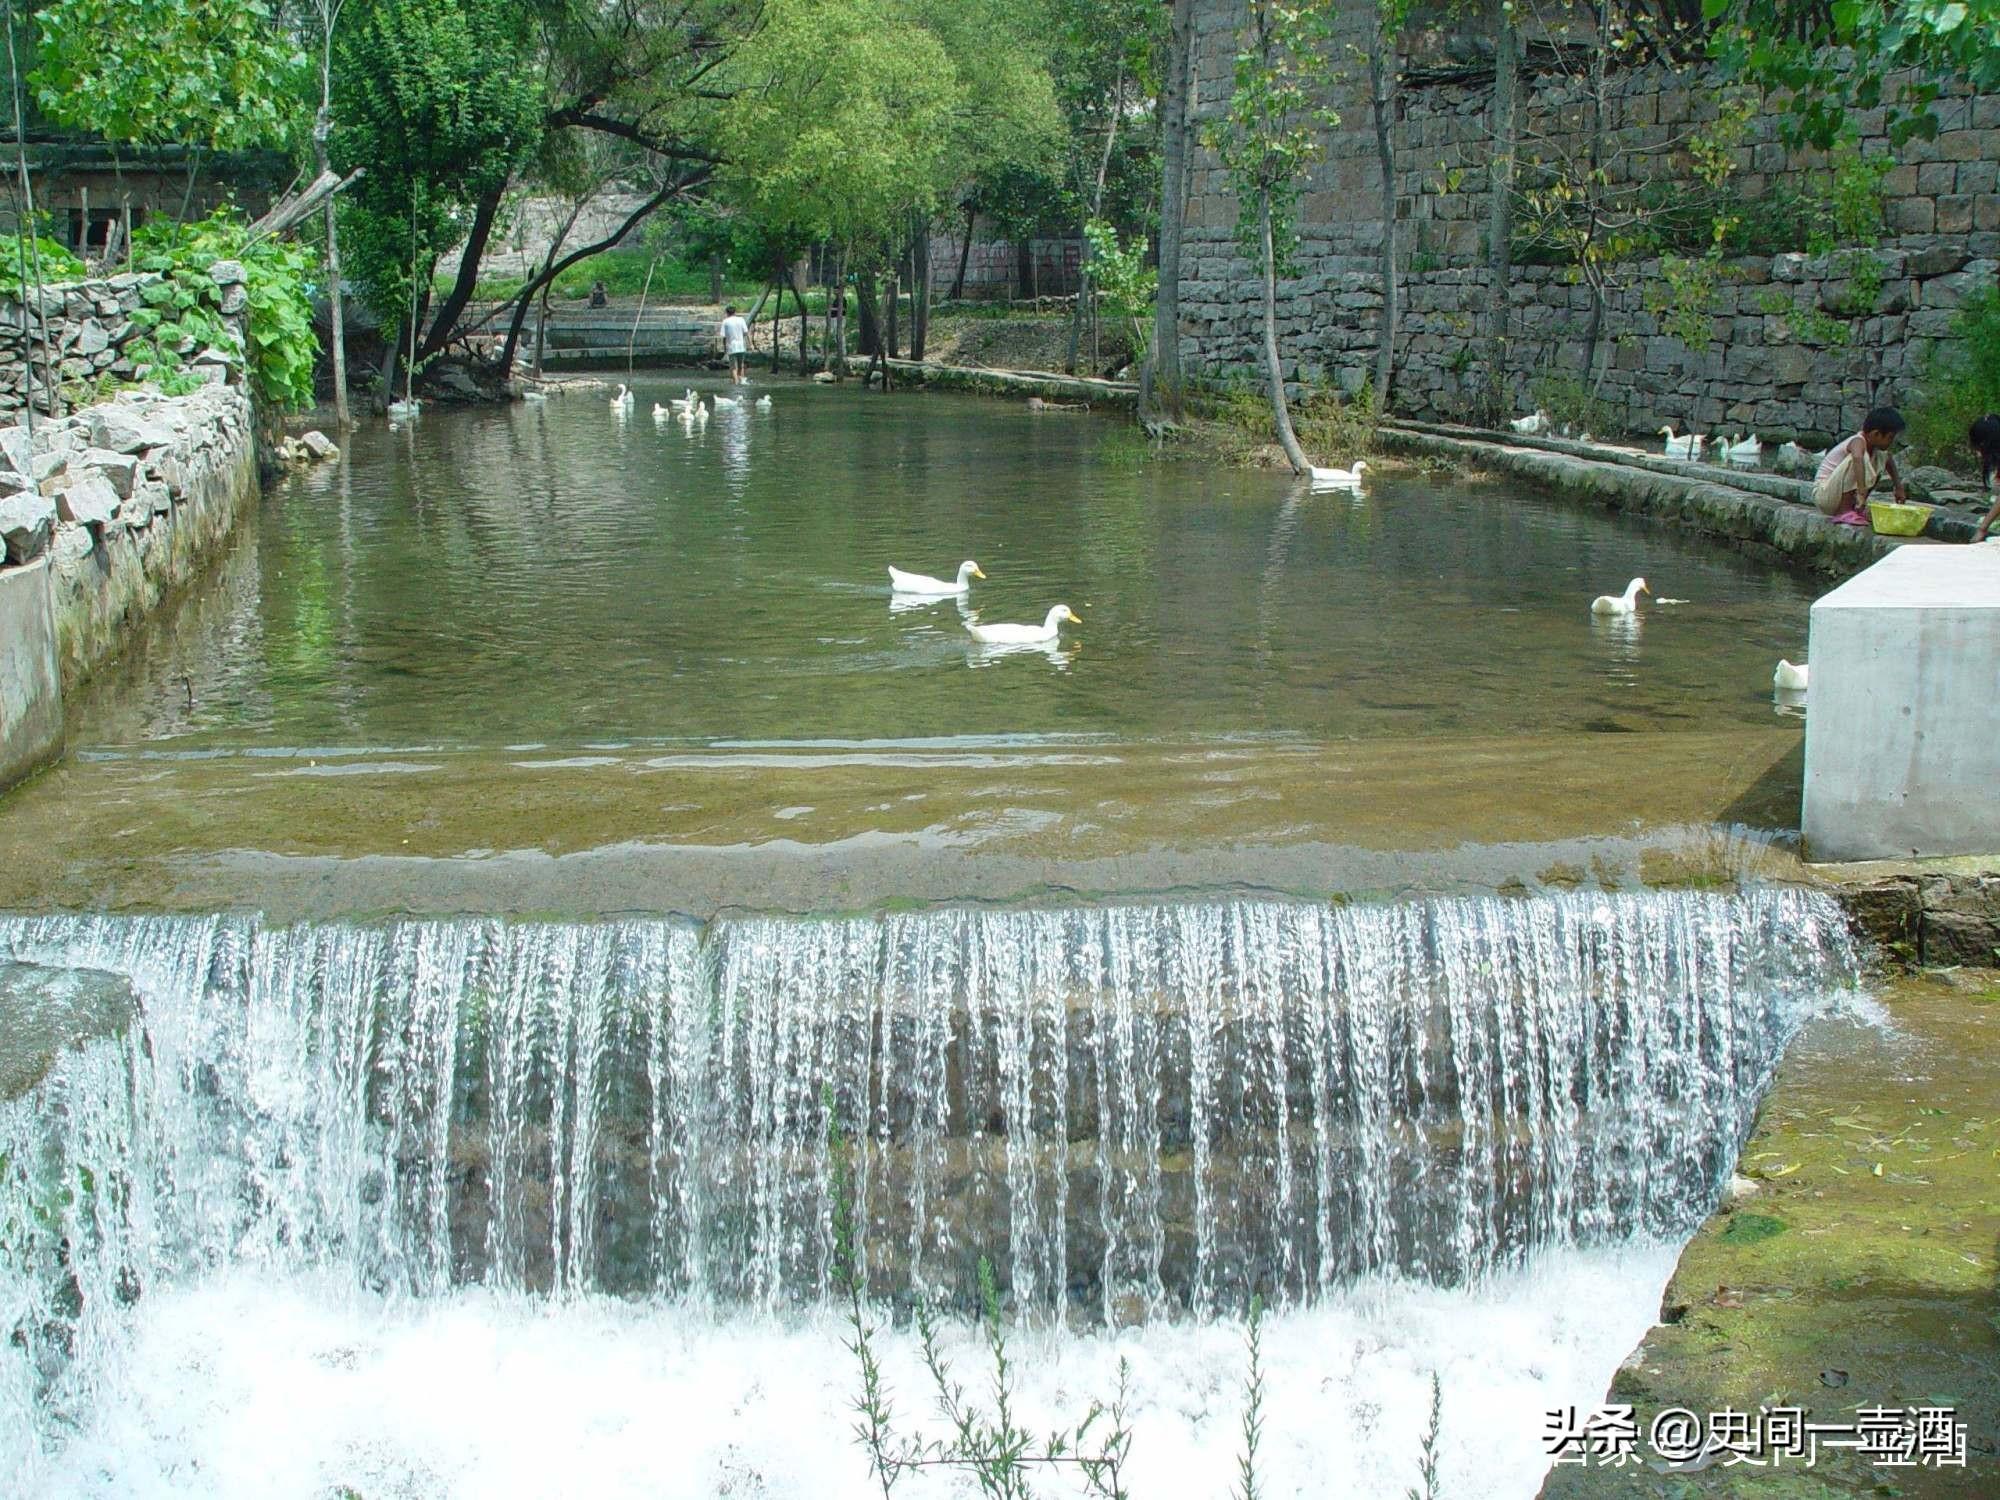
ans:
x=183 y=315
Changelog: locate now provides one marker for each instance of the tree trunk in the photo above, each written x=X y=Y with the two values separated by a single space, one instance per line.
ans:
x=391 y=359
x=1161 y=378
x=892 y=306
x=336 y=315
x=1381 y=87
x=1598 y=67
x=777 y=314
x=964 y=254
x=715 y=277
x=920 y=292
x=868 y=314
x=1273 y=367
x=1500 y=210
x=552 y=268
x=446 y=321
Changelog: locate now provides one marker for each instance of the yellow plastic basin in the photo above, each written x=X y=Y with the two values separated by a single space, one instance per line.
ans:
x=1891 y=519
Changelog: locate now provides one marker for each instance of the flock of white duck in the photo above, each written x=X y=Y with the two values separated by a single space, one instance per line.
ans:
x=1743 y=449
x=1746 y=449
x=1790 y=677
x=915 y=586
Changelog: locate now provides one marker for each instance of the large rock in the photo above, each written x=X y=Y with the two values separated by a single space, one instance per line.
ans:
x=125 y=430
x=1962 y=920
x=320 y=446
x=120 y=470
x=226 y=273
x=88 y=501
x=50 y=1010
x=27 y=521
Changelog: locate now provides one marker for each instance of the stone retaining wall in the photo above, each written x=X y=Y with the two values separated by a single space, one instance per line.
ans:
x=125 y=499
x=1941 y=240
x=51 y=346
x=1929 y=918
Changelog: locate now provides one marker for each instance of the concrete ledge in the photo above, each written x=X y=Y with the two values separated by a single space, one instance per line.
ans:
x=1697 y=501
x=31 y=712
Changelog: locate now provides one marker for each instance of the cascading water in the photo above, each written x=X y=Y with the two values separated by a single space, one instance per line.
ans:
x=1132 y=1111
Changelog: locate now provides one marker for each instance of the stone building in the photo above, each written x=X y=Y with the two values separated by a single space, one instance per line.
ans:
x=1796 y=344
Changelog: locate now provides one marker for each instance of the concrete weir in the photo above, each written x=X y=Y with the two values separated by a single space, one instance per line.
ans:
x=1903 y=730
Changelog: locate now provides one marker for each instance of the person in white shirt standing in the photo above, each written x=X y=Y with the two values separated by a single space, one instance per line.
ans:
x=736 y=344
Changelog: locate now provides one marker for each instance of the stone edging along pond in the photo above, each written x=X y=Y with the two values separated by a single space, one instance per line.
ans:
x=1765 y=514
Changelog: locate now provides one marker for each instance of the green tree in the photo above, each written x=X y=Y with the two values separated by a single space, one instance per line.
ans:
x=1269 y=139
x=1829 y=60
x=440 y=101
x=210 y=73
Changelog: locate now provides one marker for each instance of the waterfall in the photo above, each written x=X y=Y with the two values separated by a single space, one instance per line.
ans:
x=1131 y=1110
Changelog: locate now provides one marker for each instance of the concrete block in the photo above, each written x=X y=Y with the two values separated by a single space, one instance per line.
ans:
x=1902 y=723
x=31 y=714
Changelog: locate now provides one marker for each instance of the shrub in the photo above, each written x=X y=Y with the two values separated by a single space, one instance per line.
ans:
x=56 y=263
x=183 y=312
x=1960 y=382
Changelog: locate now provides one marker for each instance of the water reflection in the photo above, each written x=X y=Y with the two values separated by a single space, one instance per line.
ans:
x=551 y=574
x=1789 y=703
x=986 y=653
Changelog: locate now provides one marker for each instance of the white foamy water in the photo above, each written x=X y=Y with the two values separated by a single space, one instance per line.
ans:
x=477 y=1208
x=248 y=1386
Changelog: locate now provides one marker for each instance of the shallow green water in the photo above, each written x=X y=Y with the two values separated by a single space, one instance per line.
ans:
x=553 y=574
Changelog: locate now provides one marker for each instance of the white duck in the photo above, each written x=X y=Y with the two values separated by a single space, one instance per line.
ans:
x=1681 y=447
x=725 y=402
x=1024 y=635
x=1748 y=450
x=624 y=399
x=1790 y=678
x=402 y=411
x=923 y=583
x=661 y=413
x=1620 y=604
x=1337 y=479
x=701 y=415
x=763 y=403
x=1531 y=426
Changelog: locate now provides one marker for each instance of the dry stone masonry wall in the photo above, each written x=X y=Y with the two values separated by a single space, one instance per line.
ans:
x=119 y=502
x=56 y=344
x=1770 y=363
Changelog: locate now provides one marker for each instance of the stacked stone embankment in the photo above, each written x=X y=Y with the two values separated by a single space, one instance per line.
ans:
x=106 y=510
x=57 y=343
x=123 y=499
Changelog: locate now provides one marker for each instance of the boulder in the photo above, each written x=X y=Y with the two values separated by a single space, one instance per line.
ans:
x=125 y=430
x=121 y=470
x=91 y=338
x=27 y=521
x=321 y=446
x=72 y=545
x=159 y=499
x=88 y=501
x=226 y=273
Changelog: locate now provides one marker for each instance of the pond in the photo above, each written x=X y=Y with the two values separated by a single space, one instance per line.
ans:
x=556 y=574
